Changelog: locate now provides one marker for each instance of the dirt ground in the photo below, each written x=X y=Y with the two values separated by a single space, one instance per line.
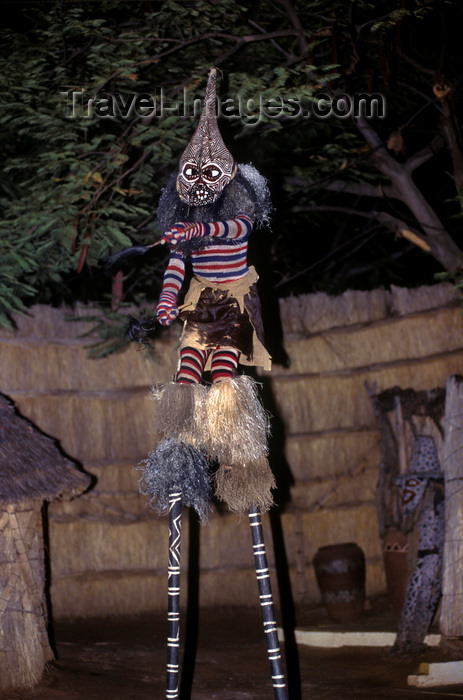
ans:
x=224 y=656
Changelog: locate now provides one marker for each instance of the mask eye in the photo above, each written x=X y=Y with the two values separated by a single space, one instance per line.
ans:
x=211 y=173
x=190 y=172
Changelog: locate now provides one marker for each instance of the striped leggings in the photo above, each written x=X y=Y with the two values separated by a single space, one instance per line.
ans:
x=192 y=363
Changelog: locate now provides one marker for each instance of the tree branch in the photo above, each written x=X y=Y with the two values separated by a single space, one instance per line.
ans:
x=297 y=24
x=330 y=208
x=415 y=64
x=360 y=189
x=400 y=228
x=394 y=224
x=239 y=42
x=379 y=153
x=441 y=244
x=424 y=155
x=272 y=41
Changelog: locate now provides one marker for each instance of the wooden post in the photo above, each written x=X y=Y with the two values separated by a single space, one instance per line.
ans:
x=451 y=621
x=401 y=439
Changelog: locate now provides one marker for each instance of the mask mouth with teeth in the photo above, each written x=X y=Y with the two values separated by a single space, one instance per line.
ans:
x=200 y=195
x=206 y=165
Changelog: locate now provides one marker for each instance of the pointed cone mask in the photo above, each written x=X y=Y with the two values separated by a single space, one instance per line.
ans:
x=206 y=165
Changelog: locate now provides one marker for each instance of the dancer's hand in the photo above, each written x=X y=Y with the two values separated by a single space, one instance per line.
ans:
x=182 y=231
x=167 y=309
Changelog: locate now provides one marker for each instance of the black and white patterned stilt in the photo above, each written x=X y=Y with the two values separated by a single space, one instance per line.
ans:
x=173 y=593
x=266 y=602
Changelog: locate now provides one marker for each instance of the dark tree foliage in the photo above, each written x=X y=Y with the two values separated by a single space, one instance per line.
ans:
x=359 y=201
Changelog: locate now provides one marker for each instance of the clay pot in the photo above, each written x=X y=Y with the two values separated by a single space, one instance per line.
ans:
x=340 y=572
x=395 y=549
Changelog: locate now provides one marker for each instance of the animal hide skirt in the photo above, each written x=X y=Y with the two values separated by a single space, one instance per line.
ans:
x=226 y=317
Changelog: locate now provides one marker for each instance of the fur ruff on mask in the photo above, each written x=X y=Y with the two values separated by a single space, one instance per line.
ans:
x=247 y=194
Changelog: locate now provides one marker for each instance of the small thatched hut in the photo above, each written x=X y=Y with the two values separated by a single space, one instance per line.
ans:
x=32 y=470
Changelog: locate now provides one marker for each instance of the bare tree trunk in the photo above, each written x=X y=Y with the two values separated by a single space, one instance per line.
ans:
x=441 y=244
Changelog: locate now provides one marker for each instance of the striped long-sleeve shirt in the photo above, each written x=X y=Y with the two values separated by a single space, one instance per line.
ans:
x=219 y=263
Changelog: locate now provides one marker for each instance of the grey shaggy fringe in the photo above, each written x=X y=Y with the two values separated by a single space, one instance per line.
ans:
x=176 y=466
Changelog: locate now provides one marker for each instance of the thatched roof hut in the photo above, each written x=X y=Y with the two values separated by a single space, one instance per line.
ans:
x=32 y=466
x=32 y=470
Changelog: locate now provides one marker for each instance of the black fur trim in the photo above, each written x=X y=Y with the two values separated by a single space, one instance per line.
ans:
x=141 y=328
x=126 y=256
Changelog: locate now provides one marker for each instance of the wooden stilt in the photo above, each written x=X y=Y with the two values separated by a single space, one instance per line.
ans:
x=173 y=593
x=266 y=603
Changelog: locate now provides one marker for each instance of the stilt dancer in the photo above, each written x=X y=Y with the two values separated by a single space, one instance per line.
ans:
x=206 y=213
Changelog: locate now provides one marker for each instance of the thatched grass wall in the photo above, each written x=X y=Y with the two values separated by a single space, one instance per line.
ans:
x=108 y=551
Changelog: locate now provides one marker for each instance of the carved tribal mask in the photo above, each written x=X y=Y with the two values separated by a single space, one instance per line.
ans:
x=206 y=165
